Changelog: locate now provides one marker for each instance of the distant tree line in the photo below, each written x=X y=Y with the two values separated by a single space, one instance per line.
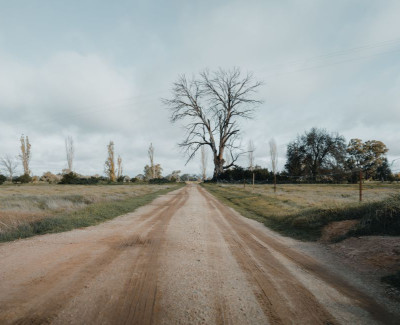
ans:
x=321 y=156
x=315 y=156
x=318 y=155
x=113 y=169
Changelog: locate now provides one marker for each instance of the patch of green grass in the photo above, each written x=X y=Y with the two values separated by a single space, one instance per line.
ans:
x=85 y=217
x=393 y=280
x=292 y=217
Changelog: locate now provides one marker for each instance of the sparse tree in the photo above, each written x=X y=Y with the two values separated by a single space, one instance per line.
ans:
x=119 y=167
x=175 y=175
x=211 y=107
x=250 y=155
x=151 y=157
x=70 y=151
x=383 y=171
x=273 y=151
x=315 y=151
x=204 y=158
x=25 y=155
x=367 y=156
x=9 y=165
x=110 y=162
x=152 y=172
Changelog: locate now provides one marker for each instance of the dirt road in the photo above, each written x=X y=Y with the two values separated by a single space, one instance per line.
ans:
x=184 y=259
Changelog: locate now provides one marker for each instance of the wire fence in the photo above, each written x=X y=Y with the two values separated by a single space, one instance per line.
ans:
x=308 y=179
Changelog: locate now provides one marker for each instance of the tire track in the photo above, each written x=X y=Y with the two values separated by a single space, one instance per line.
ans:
x=139 y=304
x=283 y=298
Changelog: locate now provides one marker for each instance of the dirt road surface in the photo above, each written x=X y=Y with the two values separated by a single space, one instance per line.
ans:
x=184 y=259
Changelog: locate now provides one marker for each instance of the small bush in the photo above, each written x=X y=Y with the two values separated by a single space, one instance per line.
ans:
x=380 y=218
x=50 y=178
x=72 y=178
x=2 y=179
x=159 y=181
x=69 y=178
x=23 y=179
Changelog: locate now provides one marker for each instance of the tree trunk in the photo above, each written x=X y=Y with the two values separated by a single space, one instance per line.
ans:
x=218 y=167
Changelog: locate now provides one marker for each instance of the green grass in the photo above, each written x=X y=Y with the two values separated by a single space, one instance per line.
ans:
x=84 y=217
x=296 y=213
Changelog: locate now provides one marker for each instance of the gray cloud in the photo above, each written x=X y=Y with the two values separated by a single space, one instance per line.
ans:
x=324 y=64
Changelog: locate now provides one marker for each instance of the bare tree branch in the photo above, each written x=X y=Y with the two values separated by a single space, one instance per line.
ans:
x=273 y=150
x=70 y=151
x=210 y=107
x=9 y=165
x=250 y=155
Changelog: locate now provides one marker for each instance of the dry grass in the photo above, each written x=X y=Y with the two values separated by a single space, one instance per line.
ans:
x=25 y=204
x=302 y=210
x=293 y=197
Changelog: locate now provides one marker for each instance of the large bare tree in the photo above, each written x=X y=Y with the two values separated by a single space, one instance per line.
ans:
x=25 y=155
x=9 y=165
x=211 y=106
x=70 y=151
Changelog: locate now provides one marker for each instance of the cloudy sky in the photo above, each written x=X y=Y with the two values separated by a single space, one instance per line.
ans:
x=96 y=71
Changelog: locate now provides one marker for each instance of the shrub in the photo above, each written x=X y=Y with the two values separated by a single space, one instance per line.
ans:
x=2 y=179
x=50 y=178
x=23 y=179
x=69 y=178
x=159 y=181
x=72 y=178
x=379 y=218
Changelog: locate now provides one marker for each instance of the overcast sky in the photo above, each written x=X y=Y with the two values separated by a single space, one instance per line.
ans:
x=96 y=71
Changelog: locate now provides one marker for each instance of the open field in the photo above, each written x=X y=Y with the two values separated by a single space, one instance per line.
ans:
x=302 y=211
x=34 y=209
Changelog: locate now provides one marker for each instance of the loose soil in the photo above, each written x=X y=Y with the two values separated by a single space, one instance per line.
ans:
x=183 y=259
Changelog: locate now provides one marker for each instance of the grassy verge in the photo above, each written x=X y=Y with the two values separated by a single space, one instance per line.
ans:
x=87 y=216
x=298 y=220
